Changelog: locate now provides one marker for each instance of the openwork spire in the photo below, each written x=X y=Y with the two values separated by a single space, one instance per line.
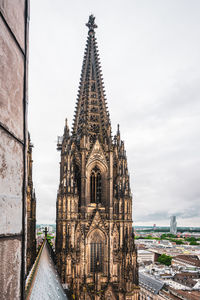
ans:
x=91 y=114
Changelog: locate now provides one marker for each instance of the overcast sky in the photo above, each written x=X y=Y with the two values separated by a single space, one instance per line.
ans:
x=150 y=57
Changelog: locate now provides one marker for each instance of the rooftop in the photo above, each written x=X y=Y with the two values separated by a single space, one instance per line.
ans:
x=150 y=283
x=43 y=281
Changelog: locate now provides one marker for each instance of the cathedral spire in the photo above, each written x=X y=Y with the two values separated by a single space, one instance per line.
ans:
x=91 y=114
x=94 y=242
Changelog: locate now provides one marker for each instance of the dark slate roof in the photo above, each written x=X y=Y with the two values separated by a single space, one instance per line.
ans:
x=150 y=283
x=46 y=284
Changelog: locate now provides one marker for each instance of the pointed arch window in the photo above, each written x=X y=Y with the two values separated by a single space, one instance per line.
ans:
x=95 y=186
x=97 y=244
x=96 y=257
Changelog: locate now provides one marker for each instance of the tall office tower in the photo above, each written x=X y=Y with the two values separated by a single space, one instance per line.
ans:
x=96 y=254
x=173 y=225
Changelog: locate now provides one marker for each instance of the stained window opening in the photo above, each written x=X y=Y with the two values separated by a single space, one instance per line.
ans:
x=95 y=186
x=96 y=257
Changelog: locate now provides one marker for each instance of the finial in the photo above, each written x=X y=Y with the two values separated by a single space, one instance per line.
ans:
x=91 y=23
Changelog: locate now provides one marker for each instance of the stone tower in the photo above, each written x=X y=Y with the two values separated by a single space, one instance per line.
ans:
x=95 y=248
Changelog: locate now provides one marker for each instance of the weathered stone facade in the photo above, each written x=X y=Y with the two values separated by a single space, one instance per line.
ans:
x=96 y=255
x=14 y=19
x=31 y=211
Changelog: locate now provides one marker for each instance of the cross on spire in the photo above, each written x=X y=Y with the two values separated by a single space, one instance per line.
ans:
x=91 y=23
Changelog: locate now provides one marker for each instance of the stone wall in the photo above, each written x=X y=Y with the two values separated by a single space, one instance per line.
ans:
x=31 y=211
x=14 y=16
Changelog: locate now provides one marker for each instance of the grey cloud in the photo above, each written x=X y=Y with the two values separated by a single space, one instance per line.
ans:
x=150 y=62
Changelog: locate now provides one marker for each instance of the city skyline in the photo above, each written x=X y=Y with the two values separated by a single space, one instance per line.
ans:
x=157 y=74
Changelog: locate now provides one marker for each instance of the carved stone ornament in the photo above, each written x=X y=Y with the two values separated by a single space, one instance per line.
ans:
x=97 y=154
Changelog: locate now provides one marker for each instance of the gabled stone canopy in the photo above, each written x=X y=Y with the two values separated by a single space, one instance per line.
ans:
x=97 y=154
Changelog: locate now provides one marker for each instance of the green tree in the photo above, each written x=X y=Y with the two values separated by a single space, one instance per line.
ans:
x=178 y=242
x=163 y=236
x=165 y=259
x=166 y=236
x=191 y=239
x=193 y=243
x=50 y=237
x=149 y=237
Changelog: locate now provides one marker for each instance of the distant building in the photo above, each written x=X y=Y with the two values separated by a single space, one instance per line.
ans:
x=189 y=261
x=189 y=279
x=149 y=287
x=173 y=225
x=144 y=256
x=169 y=293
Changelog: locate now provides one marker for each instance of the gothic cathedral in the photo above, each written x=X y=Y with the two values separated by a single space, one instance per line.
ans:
x=96 y=255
